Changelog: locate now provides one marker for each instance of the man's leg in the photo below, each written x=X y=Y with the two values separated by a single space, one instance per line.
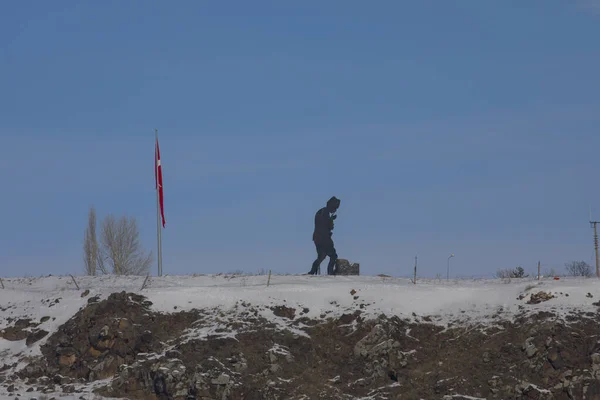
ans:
x=317 y=263
x=332 y=259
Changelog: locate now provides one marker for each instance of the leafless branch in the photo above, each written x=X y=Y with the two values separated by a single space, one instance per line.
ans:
x=121 y=250
x=579 y=268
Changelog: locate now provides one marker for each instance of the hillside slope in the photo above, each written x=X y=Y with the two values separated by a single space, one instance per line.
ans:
x=232 y=337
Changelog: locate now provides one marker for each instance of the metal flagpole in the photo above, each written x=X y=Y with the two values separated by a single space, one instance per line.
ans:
x=158 y=233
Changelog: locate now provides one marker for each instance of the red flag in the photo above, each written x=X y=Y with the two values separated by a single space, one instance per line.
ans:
x=159 y=181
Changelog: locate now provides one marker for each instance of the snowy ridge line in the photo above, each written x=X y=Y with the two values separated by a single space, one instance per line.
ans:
x=54 y=300
x=227 y=303
x=57 y=297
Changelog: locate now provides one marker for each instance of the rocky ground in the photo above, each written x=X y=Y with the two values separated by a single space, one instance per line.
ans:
x=129 y=351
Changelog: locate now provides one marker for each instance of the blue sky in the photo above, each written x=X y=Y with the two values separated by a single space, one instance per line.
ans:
x=445 y=127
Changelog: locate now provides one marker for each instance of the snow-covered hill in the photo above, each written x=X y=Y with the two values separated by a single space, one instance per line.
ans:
x=44 y=304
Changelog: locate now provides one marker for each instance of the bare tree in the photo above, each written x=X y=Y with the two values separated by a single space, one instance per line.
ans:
x=90 y=244
x=579 y=268
x=121 y=250
x=503 y=273
x=518 y=272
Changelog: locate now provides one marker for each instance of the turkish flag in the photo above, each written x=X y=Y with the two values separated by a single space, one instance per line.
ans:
x=159 y=181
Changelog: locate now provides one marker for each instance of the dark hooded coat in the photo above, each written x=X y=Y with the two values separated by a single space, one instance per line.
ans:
x=324 y=222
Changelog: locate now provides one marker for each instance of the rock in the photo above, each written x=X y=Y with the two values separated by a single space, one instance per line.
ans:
x=595 y=358
x=67 y=356
x=347 y=318
x=107 y=368
x=223 y=379
x=104 y=332
x=529 y=348
x=239 y=363
x=68 y=389
x=352 y=292
x=44 y=319
x=555 y=359
x=494 y=384
x=275 y=368
x=284 y=312
x=567 y=375
x=343 y=267
x=124 y=323
x=539 y=297
x=103 y=340
x=49 y=389
x=593 y=390
x=173 y=353
x=165 y=378
x=35 y=337
x=94 y=353
x=94 y=299
x=383 y=353
x=364 y=347
x=486 y=357
x=24 y=323
x=61 y=380
x=531 y=391
x=85 y=293
x=13 y=333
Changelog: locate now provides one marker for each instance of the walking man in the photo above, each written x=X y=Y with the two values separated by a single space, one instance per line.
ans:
x=322 y=236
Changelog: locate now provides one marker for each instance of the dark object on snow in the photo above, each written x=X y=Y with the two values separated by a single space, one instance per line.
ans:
x=322 y=236
x=538 y=297
x=343 y=267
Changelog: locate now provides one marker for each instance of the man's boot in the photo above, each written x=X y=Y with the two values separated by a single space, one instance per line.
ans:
x=331 y=267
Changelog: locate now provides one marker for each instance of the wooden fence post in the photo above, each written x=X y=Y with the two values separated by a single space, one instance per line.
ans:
x=415 y=278
x=144 y=284
x=74 y=281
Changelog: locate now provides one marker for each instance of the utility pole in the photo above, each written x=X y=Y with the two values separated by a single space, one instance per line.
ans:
x=158 y=178
x=415 y=278
x=448 y=267
x=539 y=265
x=594 y=225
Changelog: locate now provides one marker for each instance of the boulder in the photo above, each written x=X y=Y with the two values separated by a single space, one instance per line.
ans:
x=384 y=358
x=529 y=348
x=35 y=337
x=106 y=368
x=66 y=356
x=527 y=390
x=343 y=267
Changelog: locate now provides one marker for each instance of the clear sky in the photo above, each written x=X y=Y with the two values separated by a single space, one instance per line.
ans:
x=467 y=127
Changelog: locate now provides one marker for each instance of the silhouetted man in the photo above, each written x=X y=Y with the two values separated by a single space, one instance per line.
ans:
x=322 y=236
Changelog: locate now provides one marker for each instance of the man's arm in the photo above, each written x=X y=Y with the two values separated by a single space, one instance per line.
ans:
x=323 y=223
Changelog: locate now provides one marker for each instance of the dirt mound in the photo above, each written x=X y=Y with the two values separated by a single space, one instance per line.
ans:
x=203 y=354
x=538 y=297
x=106 y=334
